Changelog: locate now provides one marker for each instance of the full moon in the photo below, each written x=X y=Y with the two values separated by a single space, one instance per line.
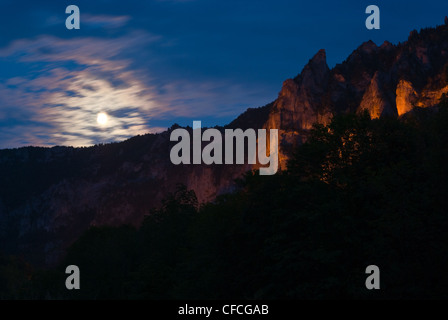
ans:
x=102 y=118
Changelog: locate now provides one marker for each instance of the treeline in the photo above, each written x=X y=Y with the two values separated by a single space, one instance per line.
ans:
x=360 y=192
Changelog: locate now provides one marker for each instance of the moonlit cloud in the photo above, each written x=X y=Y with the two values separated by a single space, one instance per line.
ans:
x=69 y=81
x=63 y=103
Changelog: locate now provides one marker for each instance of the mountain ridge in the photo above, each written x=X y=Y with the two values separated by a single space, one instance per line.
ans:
x=49 y=196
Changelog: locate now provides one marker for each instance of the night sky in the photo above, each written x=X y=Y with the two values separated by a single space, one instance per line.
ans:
x=150 y=64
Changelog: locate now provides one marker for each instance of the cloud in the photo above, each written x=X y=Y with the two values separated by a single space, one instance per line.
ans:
x=76 y=80
x=218 y=98
x=51 y=88
x=104 y=21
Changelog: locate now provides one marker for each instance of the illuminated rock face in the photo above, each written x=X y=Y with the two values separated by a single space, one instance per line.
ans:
x=386 y=80
x=298 y=103
x=377 y=100
x=406 y=97
x=120 y=183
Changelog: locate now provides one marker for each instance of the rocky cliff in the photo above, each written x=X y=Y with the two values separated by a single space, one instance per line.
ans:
x=385 y=80
x=49 y=196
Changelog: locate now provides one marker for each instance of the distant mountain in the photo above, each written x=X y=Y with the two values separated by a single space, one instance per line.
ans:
x=49 y=196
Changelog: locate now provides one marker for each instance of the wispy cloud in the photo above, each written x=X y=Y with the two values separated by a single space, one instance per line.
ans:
x=52 y=87
x=63 y=101
x=69 y=81
x=104 y=21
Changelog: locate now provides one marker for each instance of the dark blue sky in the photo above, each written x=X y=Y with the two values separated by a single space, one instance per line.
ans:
x=149 y=64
